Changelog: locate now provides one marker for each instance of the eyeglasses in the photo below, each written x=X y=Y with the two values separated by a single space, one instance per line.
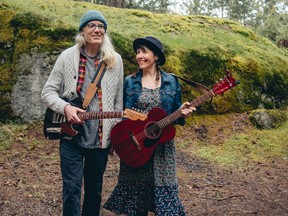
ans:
x=92 y=26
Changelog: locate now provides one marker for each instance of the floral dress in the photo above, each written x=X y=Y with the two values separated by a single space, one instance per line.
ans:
x=152 y=187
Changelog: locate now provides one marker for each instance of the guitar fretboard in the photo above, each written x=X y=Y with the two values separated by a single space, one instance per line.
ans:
x=100 y=115
x=178 y=114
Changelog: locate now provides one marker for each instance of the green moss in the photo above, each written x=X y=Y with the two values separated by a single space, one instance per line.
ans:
x=6 y=33
x=34 y=31
x=58 y=34
x=29 y=21
x=173 y=64
x=278 y=117
x=124 y=47
x=142 y=13
x=205 y=65
x=6 y=74
x=254 y=145
x=241 y=30
x=5 y=137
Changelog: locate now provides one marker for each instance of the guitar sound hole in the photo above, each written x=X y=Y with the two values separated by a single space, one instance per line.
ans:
x=152 y=130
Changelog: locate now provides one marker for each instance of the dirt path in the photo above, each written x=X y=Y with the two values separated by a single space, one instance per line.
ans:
x=31 y=183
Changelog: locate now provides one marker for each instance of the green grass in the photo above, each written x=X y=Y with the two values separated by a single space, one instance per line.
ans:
x=254 y=145
x=8 y=132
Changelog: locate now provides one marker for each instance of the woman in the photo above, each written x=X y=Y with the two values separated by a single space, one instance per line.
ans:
x=152 y=187
x=86 y=154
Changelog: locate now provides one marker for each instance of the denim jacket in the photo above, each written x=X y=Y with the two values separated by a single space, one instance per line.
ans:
x=170 y=93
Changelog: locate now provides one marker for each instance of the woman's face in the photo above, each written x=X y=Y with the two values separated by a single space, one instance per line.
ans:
x=146 y=58
x=93 y=33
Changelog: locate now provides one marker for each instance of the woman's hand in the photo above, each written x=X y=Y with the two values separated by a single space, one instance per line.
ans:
x=71 y=114
x=187 y=109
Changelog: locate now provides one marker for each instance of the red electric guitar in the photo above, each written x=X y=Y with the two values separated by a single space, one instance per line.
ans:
x=135 y=141
x=55 y=124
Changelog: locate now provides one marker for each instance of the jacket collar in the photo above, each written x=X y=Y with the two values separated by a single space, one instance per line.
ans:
x=164 y=76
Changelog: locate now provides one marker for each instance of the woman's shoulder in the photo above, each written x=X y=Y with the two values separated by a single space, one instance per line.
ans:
x=169 y=77
x=132 y=78
x=133 y=75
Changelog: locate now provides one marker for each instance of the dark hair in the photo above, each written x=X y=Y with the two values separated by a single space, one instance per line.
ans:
x=143 y=47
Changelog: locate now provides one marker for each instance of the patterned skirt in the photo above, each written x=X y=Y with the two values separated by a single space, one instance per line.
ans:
x=153 y=187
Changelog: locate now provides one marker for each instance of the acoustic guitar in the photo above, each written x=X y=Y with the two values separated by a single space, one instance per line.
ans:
x=135 y=141
x=56 y=126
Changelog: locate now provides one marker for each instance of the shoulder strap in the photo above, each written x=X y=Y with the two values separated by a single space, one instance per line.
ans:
x=200 y=87
x=94 y=85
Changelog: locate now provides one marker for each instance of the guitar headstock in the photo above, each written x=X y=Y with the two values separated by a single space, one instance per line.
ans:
x=135 y=114
x=225 y=84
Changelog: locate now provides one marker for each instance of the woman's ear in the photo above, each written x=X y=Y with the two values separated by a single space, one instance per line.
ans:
x=156 y=58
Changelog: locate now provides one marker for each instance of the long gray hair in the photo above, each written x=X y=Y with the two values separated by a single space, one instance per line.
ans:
x=107 y=49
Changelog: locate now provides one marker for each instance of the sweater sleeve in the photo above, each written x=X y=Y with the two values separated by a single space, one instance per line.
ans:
x=51 y=91
x=119 y=96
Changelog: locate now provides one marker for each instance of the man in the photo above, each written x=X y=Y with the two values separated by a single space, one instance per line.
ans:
x=86 y=154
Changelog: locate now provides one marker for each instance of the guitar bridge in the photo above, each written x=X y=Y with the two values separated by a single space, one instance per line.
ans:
x=135 y=142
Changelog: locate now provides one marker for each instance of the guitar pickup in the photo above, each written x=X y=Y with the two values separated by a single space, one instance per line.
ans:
x=58 y=118
x=53 y=130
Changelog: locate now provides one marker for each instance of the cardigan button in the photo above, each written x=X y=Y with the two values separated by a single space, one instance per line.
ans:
x=75 y=77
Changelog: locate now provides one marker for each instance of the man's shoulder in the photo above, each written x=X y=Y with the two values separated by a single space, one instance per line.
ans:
x=117 y=56
x=71 y=49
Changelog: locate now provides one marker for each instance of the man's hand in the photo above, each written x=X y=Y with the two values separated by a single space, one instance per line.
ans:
x=71 y=114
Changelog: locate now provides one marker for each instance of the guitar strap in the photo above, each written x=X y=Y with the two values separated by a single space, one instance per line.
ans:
x=200 y=87
x=94 y=85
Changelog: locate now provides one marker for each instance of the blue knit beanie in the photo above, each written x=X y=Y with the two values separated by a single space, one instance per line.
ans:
x=90 y=16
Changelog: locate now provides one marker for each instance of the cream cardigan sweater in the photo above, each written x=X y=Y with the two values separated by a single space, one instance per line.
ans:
x=62 y=83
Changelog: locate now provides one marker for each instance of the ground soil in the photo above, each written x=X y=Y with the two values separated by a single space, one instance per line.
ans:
x=31 y=180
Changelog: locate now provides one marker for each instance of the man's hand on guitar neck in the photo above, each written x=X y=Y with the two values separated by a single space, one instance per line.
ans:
x=71 y=114
x=187 y=109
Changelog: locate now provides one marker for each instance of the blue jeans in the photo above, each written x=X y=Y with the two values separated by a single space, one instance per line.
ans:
x=78 y=162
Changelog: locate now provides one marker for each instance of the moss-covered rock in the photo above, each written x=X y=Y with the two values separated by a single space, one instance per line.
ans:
x=198 y=48
x=268 y=119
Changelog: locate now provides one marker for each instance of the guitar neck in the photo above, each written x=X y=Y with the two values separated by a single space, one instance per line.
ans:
x=100 y=115
x=178 y=114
